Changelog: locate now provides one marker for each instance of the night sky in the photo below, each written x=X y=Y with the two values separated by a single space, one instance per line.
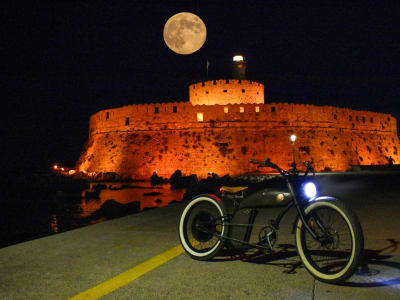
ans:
x=62 y=61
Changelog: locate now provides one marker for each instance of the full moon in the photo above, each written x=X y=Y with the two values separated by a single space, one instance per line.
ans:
x=184 y=33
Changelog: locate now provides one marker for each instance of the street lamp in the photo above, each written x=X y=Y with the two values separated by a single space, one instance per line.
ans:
x=293 y=139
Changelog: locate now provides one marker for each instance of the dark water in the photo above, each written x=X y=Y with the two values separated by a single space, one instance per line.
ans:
x=142 y=194
x=36 y=212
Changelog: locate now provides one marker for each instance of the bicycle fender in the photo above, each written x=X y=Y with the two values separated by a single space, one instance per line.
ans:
x=320 y=198
x=210 y=196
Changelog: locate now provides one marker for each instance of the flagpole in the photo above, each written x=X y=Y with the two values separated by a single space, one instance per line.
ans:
x=207 y=64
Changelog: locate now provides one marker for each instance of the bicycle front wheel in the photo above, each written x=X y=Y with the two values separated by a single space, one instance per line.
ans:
x=338 y=251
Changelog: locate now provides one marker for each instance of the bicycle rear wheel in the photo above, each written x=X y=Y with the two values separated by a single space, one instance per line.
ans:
x=201 y=228
x=338 y=252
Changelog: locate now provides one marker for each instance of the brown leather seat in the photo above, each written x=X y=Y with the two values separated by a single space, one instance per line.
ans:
x=233 y=189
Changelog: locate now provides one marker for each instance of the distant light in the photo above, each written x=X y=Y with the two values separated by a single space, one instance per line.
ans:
x=293 y=138
x=55 y=167
x=62 y=169
x=238 y=58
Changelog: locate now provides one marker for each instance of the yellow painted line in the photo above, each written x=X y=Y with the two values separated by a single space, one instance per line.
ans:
x=128 y=276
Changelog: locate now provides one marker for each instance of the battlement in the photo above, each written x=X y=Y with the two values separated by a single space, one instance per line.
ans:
x=223 y=92
x=179 y=115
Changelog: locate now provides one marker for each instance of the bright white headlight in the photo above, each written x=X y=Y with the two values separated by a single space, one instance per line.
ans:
x=310 y=190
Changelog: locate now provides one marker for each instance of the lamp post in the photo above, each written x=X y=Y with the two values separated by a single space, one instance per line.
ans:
x=293 y=139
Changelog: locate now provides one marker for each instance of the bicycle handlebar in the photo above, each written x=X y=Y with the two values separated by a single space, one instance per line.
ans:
x=267 y=163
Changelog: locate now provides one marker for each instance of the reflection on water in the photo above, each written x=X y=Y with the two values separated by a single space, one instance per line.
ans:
x=148 y=196
x=36 y=211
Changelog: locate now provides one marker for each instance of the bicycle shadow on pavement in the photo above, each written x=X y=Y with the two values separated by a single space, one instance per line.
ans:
x=376 y=270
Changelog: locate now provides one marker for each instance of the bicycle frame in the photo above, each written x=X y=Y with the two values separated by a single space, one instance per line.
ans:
x=275 y=223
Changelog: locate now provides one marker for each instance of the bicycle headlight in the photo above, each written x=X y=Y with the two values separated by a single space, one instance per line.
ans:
x=310 y=190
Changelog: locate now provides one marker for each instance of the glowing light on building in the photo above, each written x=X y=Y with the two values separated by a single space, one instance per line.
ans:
x=238 y=58
x=293 y=138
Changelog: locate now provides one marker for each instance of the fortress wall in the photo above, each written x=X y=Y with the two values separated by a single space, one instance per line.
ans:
x=332 y=138
x=227 y=150
x=226 y=92
x=226 y=123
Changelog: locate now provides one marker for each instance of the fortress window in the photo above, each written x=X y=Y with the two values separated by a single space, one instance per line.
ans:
x=225 y=91
x=206 y=92
x=174 y=109
x=350 y=118
x=107 y=115
x=227 y=81
x=372 y=120
x=363 y=119
x=199 y=117
x=156 y=110
x=240 y=80
x=126 y=121
x=257 y=109
x=335 y=116
x=357 y=118
x=272 y=108
x=202 y=84
x=243 y=90
x=214 y=82
x=226 y=110
x=241 y=109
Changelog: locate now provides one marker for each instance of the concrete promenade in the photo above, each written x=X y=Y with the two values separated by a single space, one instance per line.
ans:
x=64 y=265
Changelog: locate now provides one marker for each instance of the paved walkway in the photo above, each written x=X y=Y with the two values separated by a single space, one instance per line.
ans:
x=65 y=265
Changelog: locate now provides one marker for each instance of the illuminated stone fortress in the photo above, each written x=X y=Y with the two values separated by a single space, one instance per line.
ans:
x=224 y=124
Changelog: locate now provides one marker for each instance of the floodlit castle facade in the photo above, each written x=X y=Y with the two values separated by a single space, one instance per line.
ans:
x=224 y=124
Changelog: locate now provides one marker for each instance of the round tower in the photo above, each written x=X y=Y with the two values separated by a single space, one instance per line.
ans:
x=227 y=91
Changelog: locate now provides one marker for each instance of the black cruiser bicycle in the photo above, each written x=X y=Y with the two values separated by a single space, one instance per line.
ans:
x=328 y=235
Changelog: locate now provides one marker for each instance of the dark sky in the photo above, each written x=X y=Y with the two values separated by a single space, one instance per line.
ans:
x=62 y=61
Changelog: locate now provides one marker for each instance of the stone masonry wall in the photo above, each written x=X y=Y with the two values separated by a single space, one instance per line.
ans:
x=137 y=140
